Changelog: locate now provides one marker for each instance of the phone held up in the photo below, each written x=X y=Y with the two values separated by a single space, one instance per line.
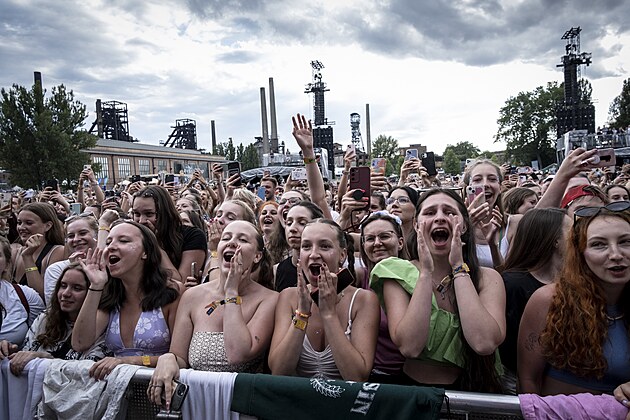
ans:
x=344 y=279
x=472 y=191
x=411 y=154
x=234 y=168
x=360 y=180
x=603 y=158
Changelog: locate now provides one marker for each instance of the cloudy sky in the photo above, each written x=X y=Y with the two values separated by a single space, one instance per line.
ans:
x=434 y=72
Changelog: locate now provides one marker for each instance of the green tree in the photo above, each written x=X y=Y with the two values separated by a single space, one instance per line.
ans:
x=619 y=111
x=387 y=147
x=527 y=124
x=452 y=164
x=40 y=137
x=463 y=150
x=240 y=151
x=250 y=158
x=226 y=149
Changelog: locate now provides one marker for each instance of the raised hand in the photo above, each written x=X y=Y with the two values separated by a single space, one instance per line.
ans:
x=455 y=257
x=303 y=132
x=32 y=243
x=424 y=254
x=304 y=297
x=327 y=285
x=236 y=273
x=94 y=268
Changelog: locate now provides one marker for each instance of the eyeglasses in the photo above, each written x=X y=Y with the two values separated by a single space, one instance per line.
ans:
x=400 y=200
x=293 y=201
x=615 y=207
x=382 y=237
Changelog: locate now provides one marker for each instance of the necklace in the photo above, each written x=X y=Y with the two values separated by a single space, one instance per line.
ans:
x=612 y=319
x=443 y=286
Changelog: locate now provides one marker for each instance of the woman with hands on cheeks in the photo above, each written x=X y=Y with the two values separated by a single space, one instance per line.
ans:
x=224 y=325
x=445 y=313
x=321 y=330
x=493 y=229
x=131 y=300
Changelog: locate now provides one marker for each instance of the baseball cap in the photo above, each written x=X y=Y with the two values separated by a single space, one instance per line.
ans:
x=575 y=193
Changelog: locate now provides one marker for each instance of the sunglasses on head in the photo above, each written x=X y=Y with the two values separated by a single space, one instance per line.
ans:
x=615 y=207
x=78 y=216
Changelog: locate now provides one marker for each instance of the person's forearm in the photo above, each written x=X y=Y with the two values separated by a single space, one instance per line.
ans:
x=84 y=333
x=412 y=332
x=350 y=362
x=98 y=192
x=33 y=277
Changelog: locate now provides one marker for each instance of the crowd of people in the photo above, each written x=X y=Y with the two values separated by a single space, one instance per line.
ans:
x=498 y=283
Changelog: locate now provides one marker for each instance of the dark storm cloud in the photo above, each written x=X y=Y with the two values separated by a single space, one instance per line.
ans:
x=473 y=32
x=56 y=38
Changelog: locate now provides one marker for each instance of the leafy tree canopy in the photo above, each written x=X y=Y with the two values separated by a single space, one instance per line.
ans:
x=619 y=111
x=40 y=137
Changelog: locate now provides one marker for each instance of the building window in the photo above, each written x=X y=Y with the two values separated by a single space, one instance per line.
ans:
x=144 y=167
x=124 y=167
x=104 y=164
x=161 y=165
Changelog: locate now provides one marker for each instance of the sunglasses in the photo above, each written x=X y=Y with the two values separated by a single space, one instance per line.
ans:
x=79 y=216
x=615 y=207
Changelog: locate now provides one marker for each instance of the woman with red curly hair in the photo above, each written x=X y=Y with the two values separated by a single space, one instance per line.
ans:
x=574 y=335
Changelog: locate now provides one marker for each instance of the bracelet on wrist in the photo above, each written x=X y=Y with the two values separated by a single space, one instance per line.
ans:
x=300 y=324
x=30 y=269
x=214 y=305
x=305 y=315
x=105 y=228
x=461 y=269
x=308 y=160
x=96 y=290
x=146 y=360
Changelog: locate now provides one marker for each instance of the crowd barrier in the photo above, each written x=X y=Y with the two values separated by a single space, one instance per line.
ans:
x=457 y=405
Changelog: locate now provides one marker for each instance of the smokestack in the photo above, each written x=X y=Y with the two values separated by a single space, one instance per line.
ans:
x=214 y=137
x=39 y=90
x=263 y=113
x=367 y=129
x=272 y=115
x=99 y=119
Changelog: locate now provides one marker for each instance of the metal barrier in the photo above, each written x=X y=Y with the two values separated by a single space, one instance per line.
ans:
x=457 y=405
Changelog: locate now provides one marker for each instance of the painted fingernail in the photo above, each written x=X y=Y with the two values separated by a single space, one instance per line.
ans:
x=624 y=402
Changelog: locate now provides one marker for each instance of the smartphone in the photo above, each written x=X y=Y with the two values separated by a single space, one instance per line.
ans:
x=136 y=178
x=298 y=174
x=5 y=199
x=52 y=183
x=75 y=208
x=411 y=154
x=234 y=168
x=522 y=178
x=169 y=179
x=606 y=157
x=351 y=148
x=262 y=193
x=177 y=400
x=193 y=269
x=472 y=191
x=344 y=279
x=379 y=165
x=85 y=167
x=360 y=179
x=428 y=161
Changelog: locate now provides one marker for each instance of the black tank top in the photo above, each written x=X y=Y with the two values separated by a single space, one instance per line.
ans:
x=286 y=275
x=38 y=262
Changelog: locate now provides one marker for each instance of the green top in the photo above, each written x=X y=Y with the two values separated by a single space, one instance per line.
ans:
x=444 y=345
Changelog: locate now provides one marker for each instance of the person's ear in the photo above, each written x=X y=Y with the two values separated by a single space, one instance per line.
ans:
x=258 y=257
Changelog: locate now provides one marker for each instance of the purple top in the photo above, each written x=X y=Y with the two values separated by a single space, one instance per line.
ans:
x=151 y=336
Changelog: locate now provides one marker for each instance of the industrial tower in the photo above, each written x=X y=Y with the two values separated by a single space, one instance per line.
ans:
x=576 y=112
x=184 y=135
x=355 y=127
x=322 y=132
x=112 y=121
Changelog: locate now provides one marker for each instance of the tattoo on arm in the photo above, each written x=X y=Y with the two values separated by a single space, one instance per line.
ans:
x=532 y=342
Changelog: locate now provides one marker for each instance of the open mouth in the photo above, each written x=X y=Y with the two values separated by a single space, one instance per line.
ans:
x=113 y=259
x=227 y=256
x=617 y=268
x=315 y=269
x=268 y=221
x=440 y=236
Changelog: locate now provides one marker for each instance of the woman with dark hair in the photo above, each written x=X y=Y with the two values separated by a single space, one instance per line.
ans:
x=42 y=235
x=493 y=227
x=180 y=245
x=445 y=312
x=273 y=232
x=519 y=200
x=332 y=332
x=285 y=273
x=381 y=238
x=50 y=335
x=574 y=335
x=402 y=203
x=224 y=325
x=617 y=192
x=19 y=305
x=534 y=260
x=131 y=299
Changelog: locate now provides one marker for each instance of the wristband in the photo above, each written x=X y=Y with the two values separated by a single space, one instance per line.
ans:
x=29 y=269
x=309 y=160
x=146 y=360
x=105 y=228
x=461 y=269
x=96 y=290
x=302 y=314
x=461 y=275
x=300 y=324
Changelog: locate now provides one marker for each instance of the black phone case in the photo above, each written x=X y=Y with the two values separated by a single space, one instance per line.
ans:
x=428 y=161
x=360 y=179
